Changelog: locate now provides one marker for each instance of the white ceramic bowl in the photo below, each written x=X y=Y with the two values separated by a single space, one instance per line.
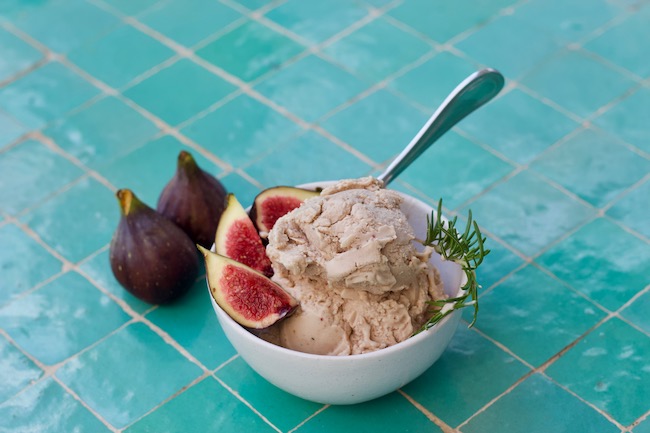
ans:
x=354 y=378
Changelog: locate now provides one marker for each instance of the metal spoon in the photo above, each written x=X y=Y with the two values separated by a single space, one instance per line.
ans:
x=470 y=94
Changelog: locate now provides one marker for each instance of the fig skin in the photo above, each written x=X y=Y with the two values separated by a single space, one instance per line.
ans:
x=248 y=296
x=194 y=200
x=150 y=256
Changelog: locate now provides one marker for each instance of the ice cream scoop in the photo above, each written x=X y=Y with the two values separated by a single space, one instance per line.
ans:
x=472 y=93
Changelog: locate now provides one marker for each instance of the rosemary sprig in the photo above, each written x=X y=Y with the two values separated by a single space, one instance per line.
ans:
x=466 y=249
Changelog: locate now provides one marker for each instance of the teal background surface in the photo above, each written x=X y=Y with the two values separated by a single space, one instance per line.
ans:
x=97 y=95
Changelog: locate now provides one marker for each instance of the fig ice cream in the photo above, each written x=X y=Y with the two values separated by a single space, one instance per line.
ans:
x=349 y=258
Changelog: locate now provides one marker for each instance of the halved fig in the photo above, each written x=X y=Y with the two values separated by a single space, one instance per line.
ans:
x=272 y=203
x=238 y=239
x=249 y=297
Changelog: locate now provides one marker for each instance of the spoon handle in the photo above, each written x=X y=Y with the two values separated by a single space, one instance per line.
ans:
x=470 y=94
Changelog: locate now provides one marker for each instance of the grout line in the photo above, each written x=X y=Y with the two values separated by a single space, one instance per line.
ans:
x=196 y=381
x=434 y=419
x=313 y=415
x=84 y=404
x=67 y=266
x=243 y=400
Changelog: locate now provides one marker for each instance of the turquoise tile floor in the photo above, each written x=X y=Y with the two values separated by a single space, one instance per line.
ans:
x=97 y=95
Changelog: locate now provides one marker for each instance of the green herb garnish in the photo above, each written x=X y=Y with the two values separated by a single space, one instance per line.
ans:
x=467 y=250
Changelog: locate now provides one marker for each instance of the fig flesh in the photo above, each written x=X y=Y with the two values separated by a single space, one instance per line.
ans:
x=249 y=297
x=150 y=256
x=272 y=203
x=237 y=238
x=194 y=200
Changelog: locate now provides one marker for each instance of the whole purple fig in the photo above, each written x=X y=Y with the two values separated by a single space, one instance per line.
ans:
x=194 y=200
x=150 y=256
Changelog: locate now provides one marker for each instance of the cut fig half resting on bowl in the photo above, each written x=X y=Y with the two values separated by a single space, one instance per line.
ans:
x=273 y=203
x=249 y=297
x=237 y=238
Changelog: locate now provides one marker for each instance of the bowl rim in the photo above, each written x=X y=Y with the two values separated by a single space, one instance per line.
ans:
x=386 y=351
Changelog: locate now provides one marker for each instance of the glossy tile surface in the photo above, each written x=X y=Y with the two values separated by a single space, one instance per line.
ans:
x=538 y=405
x=17 y=371
x=45 y=95
x=97 y=95
x=123 y=388
x=617 y=356
x=603 y=261
x=19 y=274
x=60 y=319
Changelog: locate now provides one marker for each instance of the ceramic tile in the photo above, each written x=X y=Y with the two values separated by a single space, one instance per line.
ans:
x=455 y=169
x=119 y=56
x=429 y=84
x=498 y=263
x=179 y=91
x=643 y=427
x=47 y=408
x=102 y=132
x=442 y=20
x=85 y=211
x=317 y=21
x=386 y=414
x=241 y=130
x=22 y=186
x=131 y=7
x=10 y=130
x=23 y=265
x=63 y=25
x=636 y=312
x=364 y=51
x=567 y=78
x=538 y=405
x=254 y=4
x=523 y=314
x=45 y=94
x=17 y=371
x=283 y=410
x=16 y=55
x=603 y=261
x=494 y=46
x=379 y=125
x=311 y=87
x=580 y=74
x=207 y=407
x=250 y=51
x=578 y=165
x=511 y=126
x=459 y=378
x=60 y=319
x=613 y=370
x=308 y=158
x=185 y=25
x=120 y=377
x=528 y=221
x=571 y=21
x=632 y=210
x=98 y=270
x=619 y=43
x=241 y=187
x=147 y=169
x=628 y=119
x=192 y=322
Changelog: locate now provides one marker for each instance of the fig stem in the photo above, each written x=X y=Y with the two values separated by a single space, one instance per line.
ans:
x=186 y=164
x=128 y=201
